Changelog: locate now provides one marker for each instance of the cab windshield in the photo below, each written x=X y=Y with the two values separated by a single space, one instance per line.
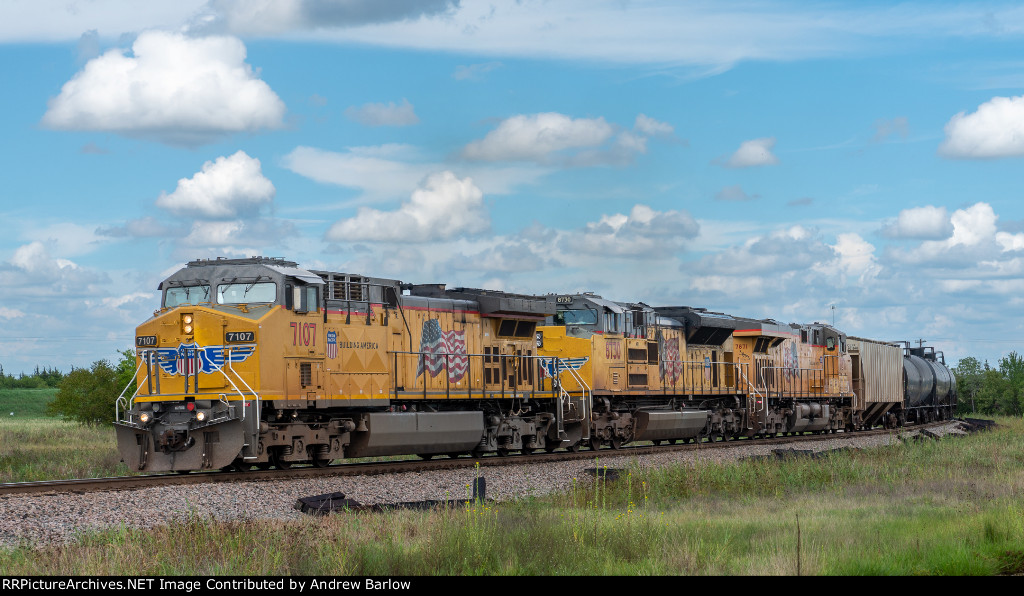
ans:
x=576 y=317
x=246 y=293
x=186 y=295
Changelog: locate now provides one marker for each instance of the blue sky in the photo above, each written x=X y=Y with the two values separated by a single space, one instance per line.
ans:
x=766 y=159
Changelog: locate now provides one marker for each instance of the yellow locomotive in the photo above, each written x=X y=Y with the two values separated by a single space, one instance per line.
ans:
x=258 y=362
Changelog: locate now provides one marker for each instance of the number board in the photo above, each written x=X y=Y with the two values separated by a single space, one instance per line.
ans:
x=239 y=336
x=564 y=300
x=145 y=341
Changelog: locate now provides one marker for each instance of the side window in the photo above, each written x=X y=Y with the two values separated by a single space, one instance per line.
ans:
x=311 y=302
x=304 y=299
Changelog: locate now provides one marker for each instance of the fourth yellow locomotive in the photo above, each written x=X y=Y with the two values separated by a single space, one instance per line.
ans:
x=258 y=362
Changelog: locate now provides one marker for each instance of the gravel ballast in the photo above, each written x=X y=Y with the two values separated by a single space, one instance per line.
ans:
x=47 y=519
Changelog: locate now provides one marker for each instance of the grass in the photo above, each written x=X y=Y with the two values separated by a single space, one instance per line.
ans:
x=35 y=447
x=25 y=404
x=951 y=507
x=48 y=449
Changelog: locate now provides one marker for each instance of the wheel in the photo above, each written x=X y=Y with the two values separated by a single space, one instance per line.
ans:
x=322 y=462
x=279 y=462
x=425 y=455
x=616 y=443
x=595 y=443
x=237 y=466
x=502 y=451
x=575 y=447
x=263 y=465
x=527 y=450
x=656 y=442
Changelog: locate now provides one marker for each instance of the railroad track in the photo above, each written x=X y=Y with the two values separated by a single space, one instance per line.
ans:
x=84 y=485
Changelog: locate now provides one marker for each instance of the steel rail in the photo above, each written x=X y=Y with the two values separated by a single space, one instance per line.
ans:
x=84 y=485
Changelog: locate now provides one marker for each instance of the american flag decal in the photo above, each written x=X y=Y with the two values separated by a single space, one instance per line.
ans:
x=442 y=349
x=332 y=344
x=670 y=366
x=186 y=360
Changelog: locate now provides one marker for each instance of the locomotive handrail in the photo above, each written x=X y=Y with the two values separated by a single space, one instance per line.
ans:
x=816 y=374
x=760 y=399
x=231 y=368
x=146 y=357
x=708 y=383
x=120 y=398
x=586 y=393
x=531 y=376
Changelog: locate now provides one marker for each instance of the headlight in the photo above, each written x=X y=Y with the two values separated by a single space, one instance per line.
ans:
x=144 y=418
x=187 y=323
x=200 y=416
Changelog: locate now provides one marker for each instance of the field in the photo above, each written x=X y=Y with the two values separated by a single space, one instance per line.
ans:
x=950 y=507
x=34 y=447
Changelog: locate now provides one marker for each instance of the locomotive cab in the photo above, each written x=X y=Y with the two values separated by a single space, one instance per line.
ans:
x=199 y=371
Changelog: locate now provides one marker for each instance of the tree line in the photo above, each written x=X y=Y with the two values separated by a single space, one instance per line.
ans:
x=982 y=389
x=41 y=379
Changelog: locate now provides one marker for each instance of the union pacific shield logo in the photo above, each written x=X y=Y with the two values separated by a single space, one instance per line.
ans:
x=332 y=344
x=182 y=360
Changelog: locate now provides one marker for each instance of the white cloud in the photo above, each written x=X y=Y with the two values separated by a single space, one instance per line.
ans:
x=382 y=171
x=474 y=72
x=67 y=239
x=996 y=129
x=1010 y=242
x=10 y=313
x=558 y=140
x=35 y=258
x=734 y=193
x=442 y=208
x=172 y=88
x=215 y=233
x=536 y=137
x=33 y=272
x=651 y=127
x=510 y=256
x=643 y=233
x=142 y=227
x=973 y=225
x=270 y=17
x=393 y=171
x=241 y=237
x=225 y=188
x=119 y=301
x=60 y=20
x=379 y=114
x=973 y=239
x=755 y=152
x=777 y=252
x=928 y=222
x=856 y=257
